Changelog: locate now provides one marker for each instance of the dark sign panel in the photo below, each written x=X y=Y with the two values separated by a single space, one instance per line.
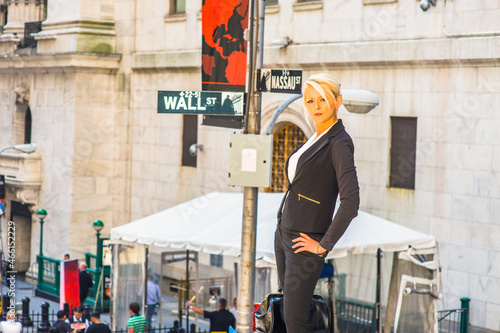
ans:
x=201 y=102
x=236 y=122
x=281 y=80
x=224 y=58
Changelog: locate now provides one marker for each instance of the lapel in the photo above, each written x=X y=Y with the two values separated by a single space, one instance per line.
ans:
x=318 y=145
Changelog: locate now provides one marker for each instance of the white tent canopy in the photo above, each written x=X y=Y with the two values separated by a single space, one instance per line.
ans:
x=212 y=223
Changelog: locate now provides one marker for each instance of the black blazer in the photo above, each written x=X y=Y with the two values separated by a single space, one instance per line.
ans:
x=323 y=171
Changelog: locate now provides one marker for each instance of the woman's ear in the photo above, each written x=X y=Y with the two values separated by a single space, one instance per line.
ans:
x=338 y=101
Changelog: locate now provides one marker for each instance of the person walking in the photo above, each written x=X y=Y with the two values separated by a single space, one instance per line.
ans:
x=234 y=310
x=97 y=326
x=219 y=320
x=136 y=323
x=152 y=301
x=318 y=172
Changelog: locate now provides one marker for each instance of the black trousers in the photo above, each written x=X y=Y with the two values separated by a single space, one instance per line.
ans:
x=298 y=274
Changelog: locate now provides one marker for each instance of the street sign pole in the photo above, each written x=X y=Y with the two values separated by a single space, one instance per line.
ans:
x=250 y=194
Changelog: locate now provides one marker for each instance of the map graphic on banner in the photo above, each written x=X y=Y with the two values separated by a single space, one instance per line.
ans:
x=224 y=59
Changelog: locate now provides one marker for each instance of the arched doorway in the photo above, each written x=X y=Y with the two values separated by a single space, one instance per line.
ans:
x=287 y=138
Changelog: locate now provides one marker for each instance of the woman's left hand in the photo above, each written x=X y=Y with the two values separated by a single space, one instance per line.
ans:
x=306 y=243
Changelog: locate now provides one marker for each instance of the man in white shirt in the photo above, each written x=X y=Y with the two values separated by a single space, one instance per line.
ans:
x=10 y=325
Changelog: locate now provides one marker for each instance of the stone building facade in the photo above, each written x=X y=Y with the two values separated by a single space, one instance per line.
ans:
x=88 y=90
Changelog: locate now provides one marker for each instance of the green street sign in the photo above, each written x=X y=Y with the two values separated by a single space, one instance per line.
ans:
x=201 y=102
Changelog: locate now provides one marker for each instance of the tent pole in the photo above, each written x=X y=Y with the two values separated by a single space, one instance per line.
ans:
x=377 y=296
x=236 y=277
x=187 y=289
x=160 y=310
x=145 y=277
x=393 y=290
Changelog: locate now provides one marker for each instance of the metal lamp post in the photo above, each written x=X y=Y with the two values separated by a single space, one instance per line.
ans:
x=41 y=213
x=98 y=225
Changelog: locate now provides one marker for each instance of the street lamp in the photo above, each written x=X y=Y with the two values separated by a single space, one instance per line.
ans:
x=42 y=213
x=98 y=225
x=25 y=148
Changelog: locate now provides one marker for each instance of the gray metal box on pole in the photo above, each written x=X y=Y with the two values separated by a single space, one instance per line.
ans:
x=250 y=160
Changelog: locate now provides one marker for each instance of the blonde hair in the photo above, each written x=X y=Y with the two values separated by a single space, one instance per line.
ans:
x=325 y=84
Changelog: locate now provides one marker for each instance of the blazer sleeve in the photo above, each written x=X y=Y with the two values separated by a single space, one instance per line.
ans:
x=347 y=179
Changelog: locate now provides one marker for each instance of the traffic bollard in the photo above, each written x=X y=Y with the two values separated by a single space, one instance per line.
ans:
x=44 y=324
x=25 y=317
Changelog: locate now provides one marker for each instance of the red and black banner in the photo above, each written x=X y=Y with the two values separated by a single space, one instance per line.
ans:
x=70 y=284
x=224 y=59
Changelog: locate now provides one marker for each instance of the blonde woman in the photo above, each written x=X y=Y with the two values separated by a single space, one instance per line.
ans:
x=318 y=172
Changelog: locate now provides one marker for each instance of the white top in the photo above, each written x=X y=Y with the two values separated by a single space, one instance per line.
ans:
x=294 y=159
x=10 y=326
x=234 y=312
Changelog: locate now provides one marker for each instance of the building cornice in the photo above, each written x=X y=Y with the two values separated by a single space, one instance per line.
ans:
x=61 y=62
x=166 y=60
x=470 y=51
x=447 y=52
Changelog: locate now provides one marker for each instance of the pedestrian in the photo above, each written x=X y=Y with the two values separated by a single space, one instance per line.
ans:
x=136 y=323
x=234 y=309
x=317 y=172
x=219 y=320
x=97 y=326
x=10 y=325
x=60 y=324
x=77 y=318
x=66 y=256
x=153 y=300
x=85 y=282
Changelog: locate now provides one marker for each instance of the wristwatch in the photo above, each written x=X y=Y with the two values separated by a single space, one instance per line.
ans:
x=320 y=254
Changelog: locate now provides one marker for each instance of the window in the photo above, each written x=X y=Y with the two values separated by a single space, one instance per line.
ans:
x=403 y=152
x=216 y=260
x=177 y=6
x=22 y=119
x=3 y=14
x=30 y=28
x=286 y=140
x=27 y=126
x=189 y=137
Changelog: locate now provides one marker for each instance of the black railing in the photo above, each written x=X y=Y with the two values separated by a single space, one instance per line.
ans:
x=37 y=325
x=449 y=320
x=355 y=316
x=456 y=320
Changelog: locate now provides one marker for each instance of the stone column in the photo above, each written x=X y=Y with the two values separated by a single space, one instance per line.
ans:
x=78 y=26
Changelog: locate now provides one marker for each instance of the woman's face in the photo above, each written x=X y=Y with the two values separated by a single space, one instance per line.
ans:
x=321 y=111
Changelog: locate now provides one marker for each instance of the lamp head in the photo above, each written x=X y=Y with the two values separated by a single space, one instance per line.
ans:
x=98 y=225
x=281 y=42
x=41 y=213
x=27 y=148
x=193 y=149
x=426 y=4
